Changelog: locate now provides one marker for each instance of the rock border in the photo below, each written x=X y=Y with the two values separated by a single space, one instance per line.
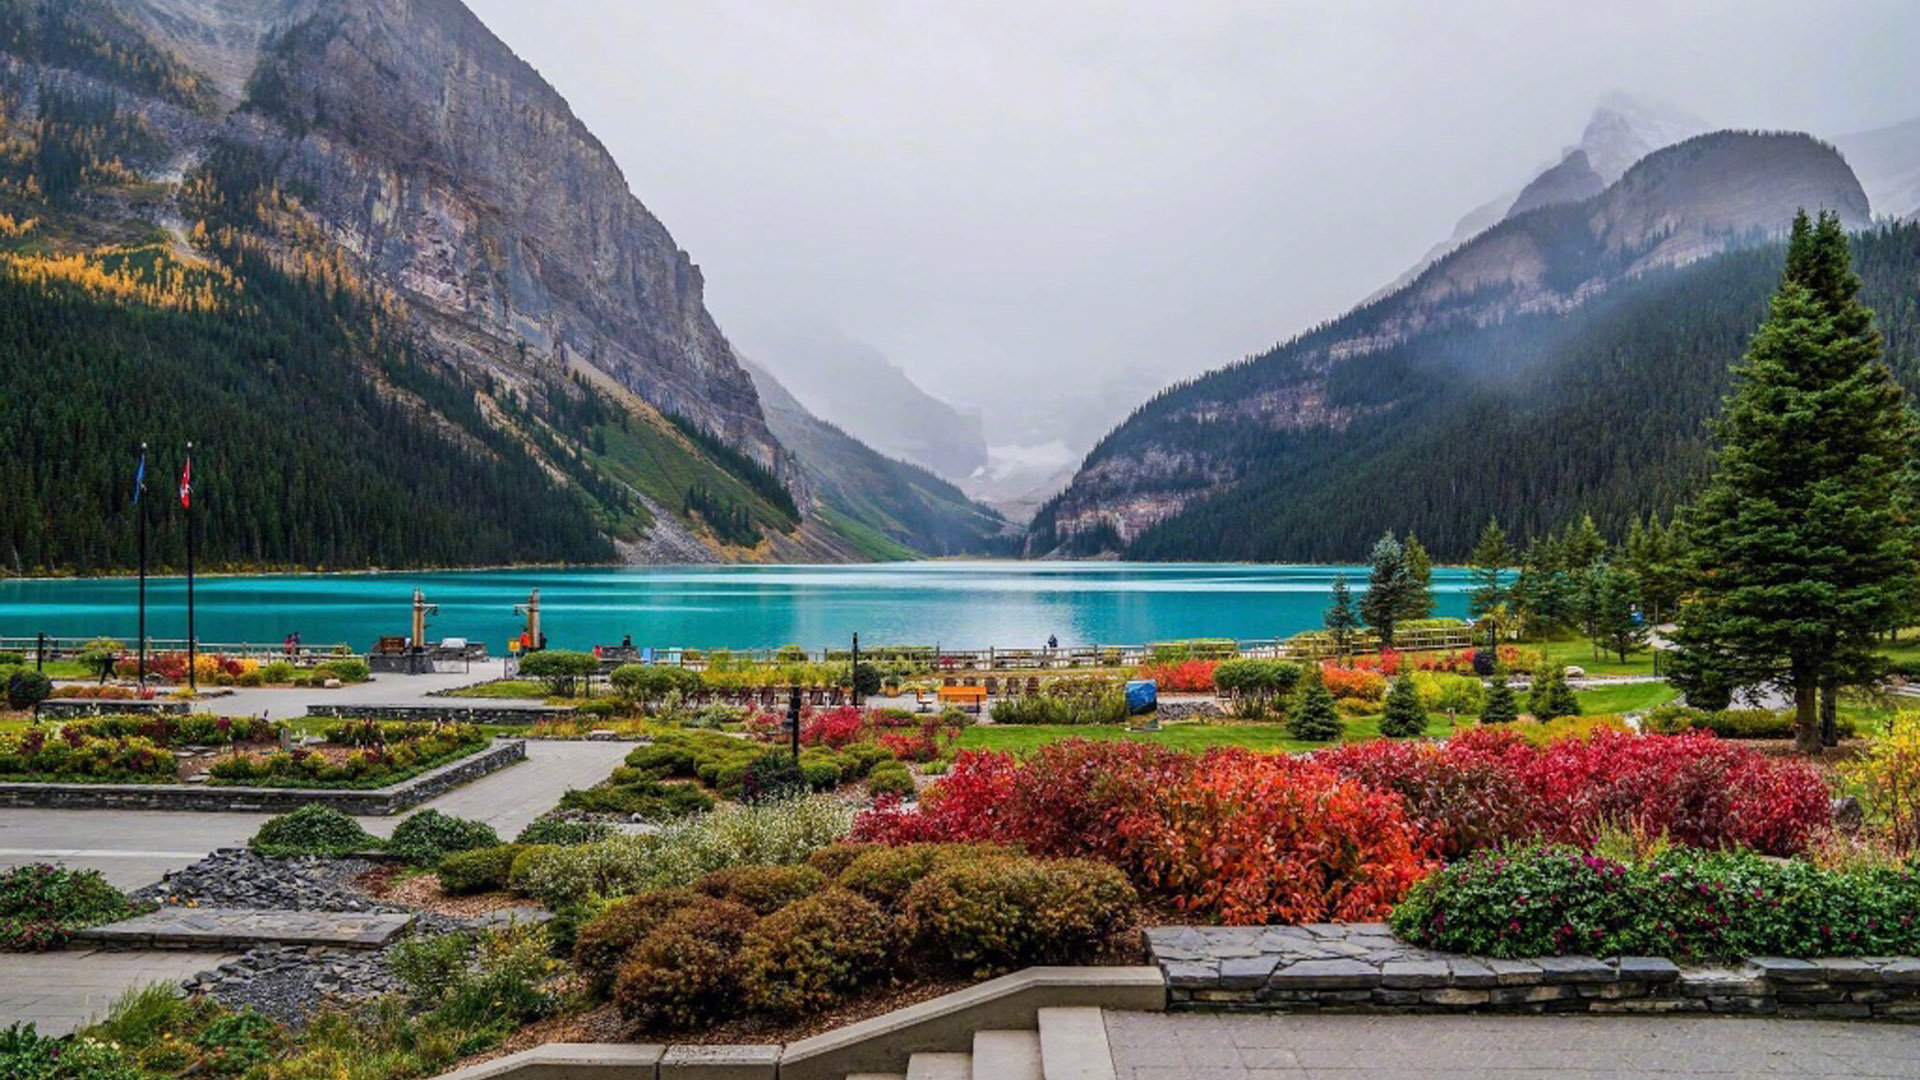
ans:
x=465 y=714
x=369 y=802
x=1362 y=967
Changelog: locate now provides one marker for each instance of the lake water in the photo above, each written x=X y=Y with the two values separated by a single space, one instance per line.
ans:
x=954 y=604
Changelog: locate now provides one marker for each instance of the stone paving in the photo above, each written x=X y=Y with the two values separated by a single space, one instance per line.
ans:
x=240 y=928
x=1188 y=1046
x=59 y=992
x=1363 y=967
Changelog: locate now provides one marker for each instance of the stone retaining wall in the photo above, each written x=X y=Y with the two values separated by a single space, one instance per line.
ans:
x=67 y=708
x=466 y=714
x=1362 y=967
x=372 y=802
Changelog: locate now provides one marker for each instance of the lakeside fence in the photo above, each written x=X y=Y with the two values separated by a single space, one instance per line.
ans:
x=1312 y=645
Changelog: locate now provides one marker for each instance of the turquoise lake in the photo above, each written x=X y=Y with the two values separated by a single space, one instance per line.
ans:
x=954 y=604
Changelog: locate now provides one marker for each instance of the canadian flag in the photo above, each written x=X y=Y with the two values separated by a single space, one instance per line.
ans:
x=186 y=485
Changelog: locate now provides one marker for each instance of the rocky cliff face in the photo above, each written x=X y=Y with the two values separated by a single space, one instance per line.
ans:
x=460 y=177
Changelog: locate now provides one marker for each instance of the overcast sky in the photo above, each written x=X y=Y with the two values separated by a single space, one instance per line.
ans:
x=1000 y=196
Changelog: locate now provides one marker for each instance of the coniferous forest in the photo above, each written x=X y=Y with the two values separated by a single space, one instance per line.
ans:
x=1536 y=421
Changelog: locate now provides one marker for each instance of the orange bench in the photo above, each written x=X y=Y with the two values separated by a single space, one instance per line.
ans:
x=964 y=696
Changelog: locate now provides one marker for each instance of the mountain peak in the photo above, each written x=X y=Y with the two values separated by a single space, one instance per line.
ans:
x=1623 y=129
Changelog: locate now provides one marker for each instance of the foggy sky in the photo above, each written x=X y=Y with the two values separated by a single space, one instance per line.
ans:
x=1004 y=196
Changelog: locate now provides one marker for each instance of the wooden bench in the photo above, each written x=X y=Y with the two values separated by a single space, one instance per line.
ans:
x=973 y=697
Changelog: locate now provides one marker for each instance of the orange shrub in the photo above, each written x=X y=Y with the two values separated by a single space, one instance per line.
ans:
x=1349 y=682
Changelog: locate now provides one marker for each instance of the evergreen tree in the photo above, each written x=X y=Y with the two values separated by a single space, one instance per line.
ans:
x=1551 y=697
x=1388 y=585
x=1311 y=716
x=1803 y=545
x=1614 y=625
x=1405 y=717
x=1501 y=707
x=1419 y=603
x=1582 y=545
x=1340 y=620
x=1487 y=564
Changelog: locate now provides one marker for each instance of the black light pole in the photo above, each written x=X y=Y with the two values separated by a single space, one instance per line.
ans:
x=855 y=670
x=40 y=652
x=793 y=721
x=140 y=512
x=186 y=507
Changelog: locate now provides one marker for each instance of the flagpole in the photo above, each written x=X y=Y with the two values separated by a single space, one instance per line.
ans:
x=186 y=505
x=140 y=479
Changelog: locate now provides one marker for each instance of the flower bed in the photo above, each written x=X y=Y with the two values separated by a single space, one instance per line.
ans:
x=1239 y=837
x=357 y=755
x=35 y=756
x=1067 y=701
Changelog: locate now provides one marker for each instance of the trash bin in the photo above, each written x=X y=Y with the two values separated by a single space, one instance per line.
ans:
x=1143 y=697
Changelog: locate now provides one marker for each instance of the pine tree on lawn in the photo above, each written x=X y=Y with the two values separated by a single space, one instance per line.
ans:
x=1488 y=562
x=1615 y=627
x=1418 y=603
x=1552 y=697
x=1387 y=586
x=1311 y=716
x=1803 y=547
x=1405 y=717
x=1501 y=707
x=1340 y=621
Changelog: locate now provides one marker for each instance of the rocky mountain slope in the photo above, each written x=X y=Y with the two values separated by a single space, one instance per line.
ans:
x=1887 y=160
x=1339 y=401
x=892 y=508
x=853 y=386
x=396 y=153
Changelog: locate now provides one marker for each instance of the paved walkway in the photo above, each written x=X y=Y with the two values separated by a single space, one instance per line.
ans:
x=59 y=992
x=285 y=703
x=135 y=847
x=1191 y=1046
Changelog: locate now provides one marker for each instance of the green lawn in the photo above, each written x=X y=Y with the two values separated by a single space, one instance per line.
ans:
x=1579 y=651
x=1631 y=697
x=1021 y=738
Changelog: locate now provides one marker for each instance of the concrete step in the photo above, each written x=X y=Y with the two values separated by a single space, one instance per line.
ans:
x=1007 y=1055
x=1073 y=1044
x=876 y=1076
x=940 y=1067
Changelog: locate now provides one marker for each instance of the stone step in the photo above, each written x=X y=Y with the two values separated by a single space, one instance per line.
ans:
x=876 y=1076
x=241 y=928
x=1073 y=1044
x=1007 y=1055
x=940 y=1067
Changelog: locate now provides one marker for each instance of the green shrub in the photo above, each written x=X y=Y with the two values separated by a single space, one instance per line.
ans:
x=995 y=914
x=649 y=799
x=890 y=778
x=9 y=658
x=313 y=830
x=686 y=973
x=26 y=1055
x=765 y=889
x=1734 y=723
x=602 y=944
x=644 y=684
x=814 y=953
x=27 y=688
x=429 y=836
x=1405 y=717
x=834 y=859
x=555 y=830
x=276 y=672
x=884 y=874
x=1312 y=715
x=772 y=775
x=561 y=669
x=42 y=906
x=349 y=669
x=480 y=870
x=1551 y=697
x=1066 y=701
x=1501 y=706
x=1257 y=678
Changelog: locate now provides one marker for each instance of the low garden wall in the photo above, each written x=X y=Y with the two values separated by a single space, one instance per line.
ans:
x=480 y=713
x=371 y=802
x=1362 y=967
x=67 y=708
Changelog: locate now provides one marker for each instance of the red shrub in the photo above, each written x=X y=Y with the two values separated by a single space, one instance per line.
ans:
x=834 y=728
x=1353 y=682
x=1464 y=798
x=966 y=806
x=1185 y=677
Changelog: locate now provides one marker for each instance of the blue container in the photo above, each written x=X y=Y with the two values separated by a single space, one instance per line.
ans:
x=1143 y=697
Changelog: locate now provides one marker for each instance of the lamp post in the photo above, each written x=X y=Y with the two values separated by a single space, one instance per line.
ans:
x=793 y=720
x=854 y=671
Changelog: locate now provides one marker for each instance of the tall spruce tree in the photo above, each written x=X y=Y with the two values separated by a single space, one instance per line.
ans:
x=1419 y=602
x=1388 y=585
x=1551 y=697
x=1342 y=624
x=1614 y=626
x=1803 y=546
x=1405 y=716
x=1486 y=566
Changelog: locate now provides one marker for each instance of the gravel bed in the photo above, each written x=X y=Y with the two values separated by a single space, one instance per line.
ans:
x=238 y=878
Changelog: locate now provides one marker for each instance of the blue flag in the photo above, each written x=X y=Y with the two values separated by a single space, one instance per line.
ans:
x=140 y=477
